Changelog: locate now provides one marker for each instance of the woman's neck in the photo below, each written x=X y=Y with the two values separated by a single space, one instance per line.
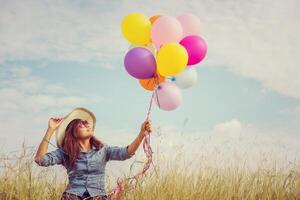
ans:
x=85 y=144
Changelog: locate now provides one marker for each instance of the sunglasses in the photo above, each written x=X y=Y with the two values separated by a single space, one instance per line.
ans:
x=83 y=123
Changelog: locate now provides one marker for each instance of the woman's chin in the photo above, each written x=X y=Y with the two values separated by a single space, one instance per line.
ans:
x=85 y=137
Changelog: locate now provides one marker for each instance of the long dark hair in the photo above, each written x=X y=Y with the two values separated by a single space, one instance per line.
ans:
x=71 y=145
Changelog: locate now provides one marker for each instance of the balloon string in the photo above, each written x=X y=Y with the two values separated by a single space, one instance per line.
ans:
x=119 y=187
x=148 y=115
x=150 y=107
x=156 y=83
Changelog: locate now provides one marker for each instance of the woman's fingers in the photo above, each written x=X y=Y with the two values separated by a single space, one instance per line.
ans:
x=60 y=121
x=148 y=126
x=57 y=119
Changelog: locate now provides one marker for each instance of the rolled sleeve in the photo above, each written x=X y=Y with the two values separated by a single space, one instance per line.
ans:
x=117 y=153
x=52 y=158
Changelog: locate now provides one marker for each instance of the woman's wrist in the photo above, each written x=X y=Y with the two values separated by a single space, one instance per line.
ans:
x=49 y=133
x=142 y=135
x=50 y=129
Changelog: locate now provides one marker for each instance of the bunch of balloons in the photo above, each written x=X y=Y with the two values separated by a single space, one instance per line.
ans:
x=163 y=53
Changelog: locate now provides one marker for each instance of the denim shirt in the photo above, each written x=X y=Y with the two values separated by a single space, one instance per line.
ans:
x=89 y=173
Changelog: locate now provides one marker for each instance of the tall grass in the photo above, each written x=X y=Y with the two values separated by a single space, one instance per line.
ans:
x=21 y=178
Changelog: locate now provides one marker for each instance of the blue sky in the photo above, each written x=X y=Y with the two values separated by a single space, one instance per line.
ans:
x=219 y=95
x=58 y=55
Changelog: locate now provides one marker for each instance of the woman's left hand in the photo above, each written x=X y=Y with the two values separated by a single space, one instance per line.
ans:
x=146 y=127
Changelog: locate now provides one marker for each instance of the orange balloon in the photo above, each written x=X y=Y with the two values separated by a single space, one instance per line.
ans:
x=154 y=18
x=149 y=84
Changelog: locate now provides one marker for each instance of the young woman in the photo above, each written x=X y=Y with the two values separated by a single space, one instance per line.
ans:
x=82 y=154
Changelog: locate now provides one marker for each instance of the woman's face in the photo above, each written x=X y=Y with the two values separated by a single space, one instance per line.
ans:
x=84 y=131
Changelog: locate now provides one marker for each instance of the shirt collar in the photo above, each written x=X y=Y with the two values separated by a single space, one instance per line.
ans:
x=92 y=149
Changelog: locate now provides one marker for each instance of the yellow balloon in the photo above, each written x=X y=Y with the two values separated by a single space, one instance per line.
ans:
x=136 y=28
x=172 y=58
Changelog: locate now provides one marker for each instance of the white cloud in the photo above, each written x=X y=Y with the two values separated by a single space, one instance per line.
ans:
x=20 y=71
x=28 y=101
x=57 y=89
x=232 y=129
x=19 y=87
x=257 y=39
x=56 y=30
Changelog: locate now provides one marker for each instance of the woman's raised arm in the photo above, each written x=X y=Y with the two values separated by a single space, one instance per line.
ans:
x=146 y=127
x=43 y=147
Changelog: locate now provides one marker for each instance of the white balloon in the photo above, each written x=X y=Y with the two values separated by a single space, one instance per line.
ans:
x=186 y=79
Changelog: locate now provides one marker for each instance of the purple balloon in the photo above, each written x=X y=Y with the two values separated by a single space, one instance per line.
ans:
x=196 y=48
x=140 y=63
x=167 y=96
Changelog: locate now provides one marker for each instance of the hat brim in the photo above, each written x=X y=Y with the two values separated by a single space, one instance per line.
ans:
x=77 y=113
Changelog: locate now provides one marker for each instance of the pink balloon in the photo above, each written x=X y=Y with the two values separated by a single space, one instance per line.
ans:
x=167 y=96
x=166 y=29
x=190 y=24
x=196 y=48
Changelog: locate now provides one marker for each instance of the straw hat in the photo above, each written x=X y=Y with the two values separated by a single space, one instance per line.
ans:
x=77 y=113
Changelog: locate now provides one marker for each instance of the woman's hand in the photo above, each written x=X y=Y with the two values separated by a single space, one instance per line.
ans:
x=54 y=123
x=146 y=127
